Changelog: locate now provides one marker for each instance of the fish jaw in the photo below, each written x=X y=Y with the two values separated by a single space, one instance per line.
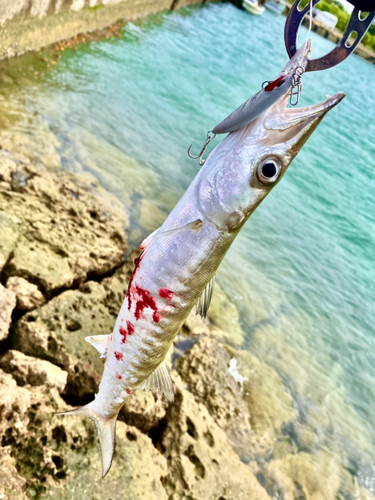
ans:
x=232 y=183
x=287 y=129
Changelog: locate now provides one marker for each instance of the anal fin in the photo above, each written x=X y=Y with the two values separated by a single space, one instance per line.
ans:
x=100 y=343
x=204 y=300
x=159 y=380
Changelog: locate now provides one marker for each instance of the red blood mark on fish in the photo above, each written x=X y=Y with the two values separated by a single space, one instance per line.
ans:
x=165 y=293
x=128 y=391
x=118 y=355
x=137 y=261
x=110 y=337
x=276 y=83
x=119 y=377
x=143 y=300
x=124 y=332
x=130 y=327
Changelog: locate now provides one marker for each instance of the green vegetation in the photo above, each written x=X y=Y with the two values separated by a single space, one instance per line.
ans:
x=336 y=8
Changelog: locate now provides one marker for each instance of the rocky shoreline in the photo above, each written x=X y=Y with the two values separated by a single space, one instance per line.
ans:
x=234 y=430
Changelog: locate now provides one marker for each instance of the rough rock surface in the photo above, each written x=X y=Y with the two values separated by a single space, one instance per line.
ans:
x=64 y=235
x=28 y=295
x=59 y=455
x=270 y=405
x=27 y=370
x=11 y=483
x=144 y=410
x=224 y=316
x=56 y=331
x=201 y=462
x=303 y=476
x=236 y=430
x=7 y=304
x=204 y=367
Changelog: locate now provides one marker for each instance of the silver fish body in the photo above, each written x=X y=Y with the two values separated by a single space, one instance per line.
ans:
x=182 y=256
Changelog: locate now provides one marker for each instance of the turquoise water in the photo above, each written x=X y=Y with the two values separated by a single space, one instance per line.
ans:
x=302 y=271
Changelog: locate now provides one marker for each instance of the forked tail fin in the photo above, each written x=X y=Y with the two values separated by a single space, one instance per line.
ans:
x=106 y=431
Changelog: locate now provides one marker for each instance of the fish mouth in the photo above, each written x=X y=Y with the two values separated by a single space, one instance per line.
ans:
x=283 y=118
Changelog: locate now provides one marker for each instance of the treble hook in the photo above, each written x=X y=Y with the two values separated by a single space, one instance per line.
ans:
x=200 y=156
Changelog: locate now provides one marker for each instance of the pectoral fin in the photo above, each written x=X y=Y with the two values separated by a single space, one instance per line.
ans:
x=100 y=343
x=159 y=380
x=147 y=242
x=205 y=299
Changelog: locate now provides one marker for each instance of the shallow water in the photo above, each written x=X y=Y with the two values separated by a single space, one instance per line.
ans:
x=302 y=271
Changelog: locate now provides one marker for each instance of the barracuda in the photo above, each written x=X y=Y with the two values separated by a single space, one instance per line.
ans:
x=178 y=262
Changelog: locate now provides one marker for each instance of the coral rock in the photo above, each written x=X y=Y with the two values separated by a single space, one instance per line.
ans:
x=28 y=295
x=205 y=369
x=27 y=370
x=58 y=456
x=7 y=304
x=144 y=410
x=201 y=462
x=71 y=228
x=309 y=476
x=11 y=483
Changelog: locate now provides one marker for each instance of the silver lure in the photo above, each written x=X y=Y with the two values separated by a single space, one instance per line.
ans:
x=180 y=259
x=268 y=95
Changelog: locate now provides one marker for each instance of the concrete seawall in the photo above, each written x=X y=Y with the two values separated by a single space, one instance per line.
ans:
x=31 y=24
x=28 y=25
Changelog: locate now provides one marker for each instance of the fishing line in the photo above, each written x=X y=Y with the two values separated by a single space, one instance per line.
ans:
x=310 y=21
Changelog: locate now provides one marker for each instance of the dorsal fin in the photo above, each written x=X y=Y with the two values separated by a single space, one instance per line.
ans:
x=159 y=380
x=99 y=342
x=204 y=300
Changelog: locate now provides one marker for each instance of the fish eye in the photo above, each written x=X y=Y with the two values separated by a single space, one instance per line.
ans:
x=268 y=171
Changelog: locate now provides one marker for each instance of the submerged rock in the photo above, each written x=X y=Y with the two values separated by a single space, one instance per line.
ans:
x=270 y=405
x=223 y=315
x=308 y=476
x=222 y=320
